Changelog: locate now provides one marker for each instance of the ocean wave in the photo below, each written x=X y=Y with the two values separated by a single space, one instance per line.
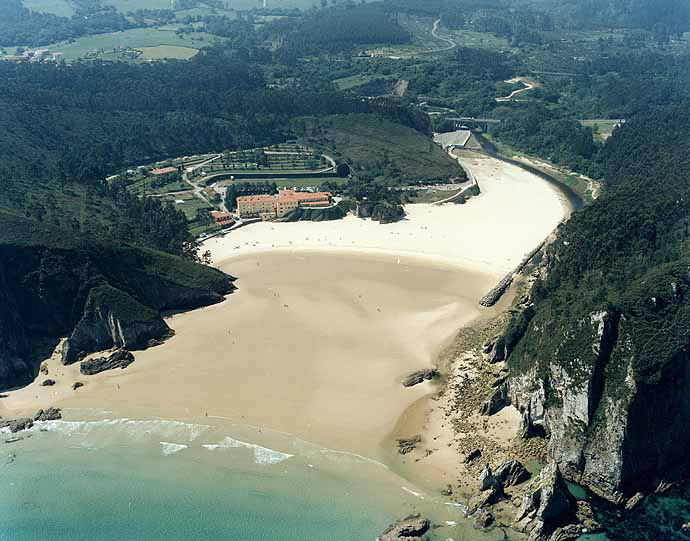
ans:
x=262 y=455
x=162 y=428
x=416 y=494
x=171 y=448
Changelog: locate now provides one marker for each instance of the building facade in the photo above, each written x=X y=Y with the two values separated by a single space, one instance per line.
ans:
x=253 y=206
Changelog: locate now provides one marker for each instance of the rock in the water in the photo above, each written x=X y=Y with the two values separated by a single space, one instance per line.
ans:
x=44 y=369
x=685 y=528
x=15 y=439
x=51 y=414
x=571 y=532
x=48 y=382
x=511 y=473
x=418 y=377
x=483 y=520
x=472 y=455
x=76 y=385
x=547 y=504
x=410 y=527
x=16 y=425
x=448 y=491
x=408 y=445
x=634 y=501
x=118 y=359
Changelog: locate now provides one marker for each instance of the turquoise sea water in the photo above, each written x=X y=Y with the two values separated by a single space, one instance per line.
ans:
x=122 y=479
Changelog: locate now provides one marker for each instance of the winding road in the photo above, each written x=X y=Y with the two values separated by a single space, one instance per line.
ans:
x=450 y=42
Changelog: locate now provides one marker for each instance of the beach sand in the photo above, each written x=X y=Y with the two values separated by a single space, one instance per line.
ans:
x=315 y=345
x=514 y=213
x=328 y=319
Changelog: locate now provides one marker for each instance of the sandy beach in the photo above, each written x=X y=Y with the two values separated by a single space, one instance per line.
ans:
x=328 y=319
x=515 y=211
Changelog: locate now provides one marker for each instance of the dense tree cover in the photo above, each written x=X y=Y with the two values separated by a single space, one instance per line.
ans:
x=80 y=123
x=21 y=26
x=662 y=16
x=540 y=130
x=623 y=253
x=335 y=30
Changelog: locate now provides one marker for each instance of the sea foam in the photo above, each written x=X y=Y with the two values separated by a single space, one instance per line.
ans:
x=171 y=448
x=262 y=455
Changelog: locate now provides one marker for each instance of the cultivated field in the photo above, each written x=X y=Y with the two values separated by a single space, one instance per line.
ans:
x=167 y=51
x=137 y=38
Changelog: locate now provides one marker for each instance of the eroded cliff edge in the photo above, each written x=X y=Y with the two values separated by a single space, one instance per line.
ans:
x=99 y=295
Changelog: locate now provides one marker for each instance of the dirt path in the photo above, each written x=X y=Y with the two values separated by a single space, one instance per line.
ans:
x=529 y=85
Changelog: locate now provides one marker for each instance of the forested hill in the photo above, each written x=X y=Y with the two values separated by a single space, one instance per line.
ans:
x=605 y=347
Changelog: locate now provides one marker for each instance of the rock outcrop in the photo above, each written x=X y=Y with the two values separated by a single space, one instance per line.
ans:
x=511 y=473
x=420 y=376
x=411 y=527
x=50 y=414
x=17 y=425
x=118 y=359
x=112 y=319
x=546 y=506
x=91 y=292
x=615 y=411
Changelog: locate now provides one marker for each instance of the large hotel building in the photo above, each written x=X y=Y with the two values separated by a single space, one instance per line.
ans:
x=272 y=206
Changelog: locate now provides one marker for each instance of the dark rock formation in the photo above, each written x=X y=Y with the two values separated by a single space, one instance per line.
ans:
x=497 y=401
x=17 y=425
x=76 y=385
x=410 y=527
x=511 y=473
x=609 y=416
x=48 y=382
x=418 y=377
x=487 y=479
x=408 y=445
x=472 y=455
x=51 y=414
x=483 y=520
x=547 y=505
x=118 y=359
x=112 y=319
x=44 y=369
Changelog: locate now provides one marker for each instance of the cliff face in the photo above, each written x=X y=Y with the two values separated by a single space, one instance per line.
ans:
x=610 y=389
x=99 y=296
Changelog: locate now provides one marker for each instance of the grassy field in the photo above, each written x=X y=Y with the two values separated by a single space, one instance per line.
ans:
x=62 y=8
x=137 y=38
x=380 y=148
x=603 y=129
x=167 y=51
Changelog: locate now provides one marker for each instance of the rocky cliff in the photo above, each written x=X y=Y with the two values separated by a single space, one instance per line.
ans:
x=611 y=388
x=98 y=295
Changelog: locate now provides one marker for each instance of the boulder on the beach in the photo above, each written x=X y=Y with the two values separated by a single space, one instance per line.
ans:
x=118 y=359
x=17 y=425
x=76 y=385
x=48 y=382
x=410 y=527
x=474 y=454
x=44 y=368
x=408 y=445
x=50 y=414
x=512 y=472
x=420 y=376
